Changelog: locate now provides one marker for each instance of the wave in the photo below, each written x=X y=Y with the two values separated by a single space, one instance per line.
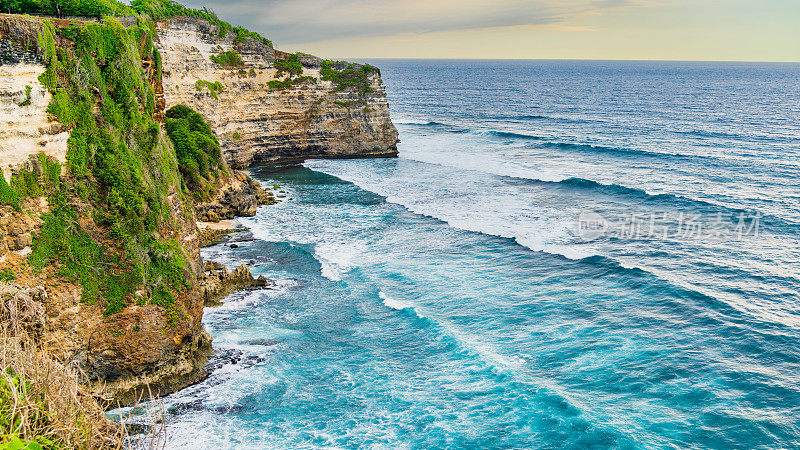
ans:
x=437 y=125
x=619 y=150
x=458 y=130
x=525 y=117
x=732 y=136
x=335 y=259
x=560 y=145
x=510 y=135
x=395 y=304
x=429 y=123
x=675 y=200
x=540 y=117
x=640 y=195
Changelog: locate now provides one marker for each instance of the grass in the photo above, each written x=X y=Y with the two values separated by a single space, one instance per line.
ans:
x=42 y=403
x=7 y=275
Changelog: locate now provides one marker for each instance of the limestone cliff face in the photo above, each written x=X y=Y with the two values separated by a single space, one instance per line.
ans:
x=25 y=126
x=256 y=124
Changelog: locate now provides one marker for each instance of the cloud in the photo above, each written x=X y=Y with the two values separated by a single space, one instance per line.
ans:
x=290 y=22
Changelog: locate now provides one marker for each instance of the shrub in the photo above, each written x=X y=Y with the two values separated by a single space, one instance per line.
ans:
x=352 y=76
x=27 y=100
x=228 y=59
x=280 y=85
x=8 y=196
x=306 y=79
x=65 y=7
x=213 y=88
x=290 y=66
x=196 y=146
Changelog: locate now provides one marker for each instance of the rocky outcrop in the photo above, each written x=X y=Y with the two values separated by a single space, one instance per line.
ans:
x=217 y=282
x=239 y=196
x=258 y=124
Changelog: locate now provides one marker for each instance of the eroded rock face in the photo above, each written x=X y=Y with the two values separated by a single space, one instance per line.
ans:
x=139 y=351
x=256 y=124
x=217 y=282
x=25 y=126
x=239 y=196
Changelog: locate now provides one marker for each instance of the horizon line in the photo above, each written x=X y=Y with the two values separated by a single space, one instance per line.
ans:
x=579 y=59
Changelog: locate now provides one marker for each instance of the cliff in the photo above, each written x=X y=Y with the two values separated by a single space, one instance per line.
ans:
x=256 y=123
x=96 y=214
x=104 y=181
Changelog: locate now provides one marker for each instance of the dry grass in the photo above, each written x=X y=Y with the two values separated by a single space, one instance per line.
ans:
x=41 y=399
x=43 y=402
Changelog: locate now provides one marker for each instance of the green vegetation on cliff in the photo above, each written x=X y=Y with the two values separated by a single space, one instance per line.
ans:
x=109 y=223
x=290 y=66
x=27 y=100
x=8 y=196
x=163 y=9
x=228 y=59
x=213 y=88
x=199 y=155
x=348 y=75
x=65 y=7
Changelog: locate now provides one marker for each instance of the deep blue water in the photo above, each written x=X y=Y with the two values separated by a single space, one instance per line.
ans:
x=449 y=298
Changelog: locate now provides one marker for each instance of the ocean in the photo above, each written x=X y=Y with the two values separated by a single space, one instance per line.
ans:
x=566 y=254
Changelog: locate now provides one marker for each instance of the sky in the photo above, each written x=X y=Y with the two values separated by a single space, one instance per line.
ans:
x=704 y=30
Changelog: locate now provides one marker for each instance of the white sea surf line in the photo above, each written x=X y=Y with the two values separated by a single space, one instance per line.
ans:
x=395 y=304
x=474 y=213
x=336 y=258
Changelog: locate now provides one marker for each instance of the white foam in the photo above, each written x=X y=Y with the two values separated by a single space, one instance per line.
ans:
x=472 y=202
x=392 y=303
x=336 y=258
x=329 y=271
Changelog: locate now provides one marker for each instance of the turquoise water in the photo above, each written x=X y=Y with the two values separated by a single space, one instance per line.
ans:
x=449 y=299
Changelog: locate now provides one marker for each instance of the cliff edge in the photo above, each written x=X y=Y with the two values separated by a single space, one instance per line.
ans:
x=257 y=115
